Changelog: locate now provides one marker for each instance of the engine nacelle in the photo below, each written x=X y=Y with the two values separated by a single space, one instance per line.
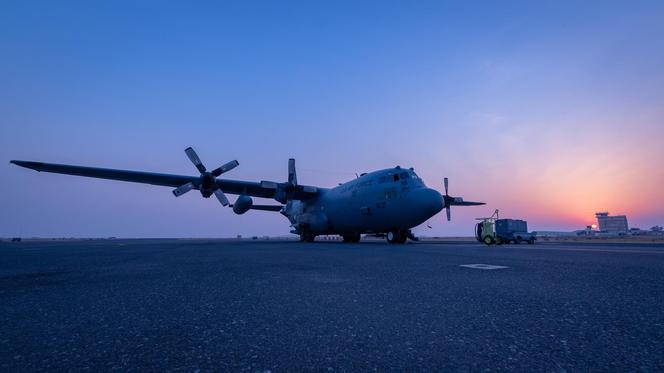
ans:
x=243 y=204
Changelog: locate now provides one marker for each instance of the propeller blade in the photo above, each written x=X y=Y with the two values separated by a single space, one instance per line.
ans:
x=182 y=189
x=193 y=157
x=449 y=213
x=221 y=197
x=225 y=168
x=292 y=176
x=445 y=182
x=469 y=203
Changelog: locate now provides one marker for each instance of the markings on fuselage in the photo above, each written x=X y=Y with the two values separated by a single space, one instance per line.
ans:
x=482 y=266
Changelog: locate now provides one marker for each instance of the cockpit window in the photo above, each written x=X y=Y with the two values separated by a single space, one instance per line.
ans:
x=396 y=177
x=404 y=175
x=416 y=179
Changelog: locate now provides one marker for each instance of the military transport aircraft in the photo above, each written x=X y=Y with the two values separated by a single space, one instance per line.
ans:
x=386 y=202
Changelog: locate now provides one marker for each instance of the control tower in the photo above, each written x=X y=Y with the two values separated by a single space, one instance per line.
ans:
x=613 y=224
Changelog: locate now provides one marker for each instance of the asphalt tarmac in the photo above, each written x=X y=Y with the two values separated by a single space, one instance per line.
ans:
x=224 y=305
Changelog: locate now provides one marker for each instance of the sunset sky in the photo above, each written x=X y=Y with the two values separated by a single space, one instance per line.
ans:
x=548 y=111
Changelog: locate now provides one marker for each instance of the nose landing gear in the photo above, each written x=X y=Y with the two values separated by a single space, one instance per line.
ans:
x=352 y=238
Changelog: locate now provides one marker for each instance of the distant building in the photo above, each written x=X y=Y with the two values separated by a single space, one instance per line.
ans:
x=611 y=224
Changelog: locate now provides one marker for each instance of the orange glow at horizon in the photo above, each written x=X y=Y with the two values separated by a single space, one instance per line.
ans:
x=560 y=175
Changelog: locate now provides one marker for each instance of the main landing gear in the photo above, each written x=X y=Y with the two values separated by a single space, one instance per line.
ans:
x=394 y=237
x=307 y=237
x=397 y=236
x=352 y=238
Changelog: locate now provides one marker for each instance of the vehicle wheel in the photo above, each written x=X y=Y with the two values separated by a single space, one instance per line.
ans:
x=307 y=237
x=488 y=240
x=531 y=241
x=518 y=241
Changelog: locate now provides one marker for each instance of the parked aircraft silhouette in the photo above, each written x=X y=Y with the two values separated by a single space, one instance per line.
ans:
x=386 y=202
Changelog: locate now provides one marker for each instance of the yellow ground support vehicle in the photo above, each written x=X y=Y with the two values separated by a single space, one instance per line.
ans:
x=502 y=231
x=485 y=230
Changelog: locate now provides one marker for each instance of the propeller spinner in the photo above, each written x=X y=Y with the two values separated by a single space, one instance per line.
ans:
x=207 y=183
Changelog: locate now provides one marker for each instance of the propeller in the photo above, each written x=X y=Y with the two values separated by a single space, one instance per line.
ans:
x=454 y=201
x=285 y=191
x=446 y=199
x=207 y=183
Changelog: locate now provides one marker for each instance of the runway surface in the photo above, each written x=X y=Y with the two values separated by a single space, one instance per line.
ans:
x=215 y=305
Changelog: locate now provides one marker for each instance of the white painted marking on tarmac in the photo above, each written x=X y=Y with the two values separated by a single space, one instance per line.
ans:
x=482 y=266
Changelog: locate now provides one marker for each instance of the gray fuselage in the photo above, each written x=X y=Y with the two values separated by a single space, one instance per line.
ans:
x=376 y=202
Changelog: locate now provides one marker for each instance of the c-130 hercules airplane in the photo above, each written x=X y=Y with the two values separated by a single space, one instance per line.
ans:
x=389 y=201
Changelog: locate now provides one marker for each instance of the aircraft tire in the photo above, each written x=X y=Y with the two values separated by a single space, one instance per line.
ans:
x=403 y=237
x=396 y=237
x=307 y=237
x=352 y=238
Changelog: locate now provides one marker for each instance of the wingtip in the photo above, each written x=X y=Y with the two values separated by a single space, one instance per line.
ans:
x=26 y=164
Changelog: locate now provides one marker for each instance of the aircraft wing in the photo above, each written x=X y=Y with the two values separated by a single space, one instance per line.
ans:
x=228 y=186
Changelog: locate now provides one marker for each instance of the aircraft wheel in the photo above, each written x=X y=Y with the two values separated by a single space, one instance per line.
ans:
x=352 y=238
x=307 y=237
x=395 y=237
x=403 y=237
x=488 y=240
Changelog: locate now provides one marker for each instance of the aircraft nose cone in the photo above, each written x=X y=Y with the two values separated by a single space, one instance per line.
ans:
x=429 y=201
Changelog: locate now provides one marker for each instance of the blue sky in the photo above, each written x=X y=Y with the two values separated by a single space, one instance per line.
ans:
x=548 y=111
